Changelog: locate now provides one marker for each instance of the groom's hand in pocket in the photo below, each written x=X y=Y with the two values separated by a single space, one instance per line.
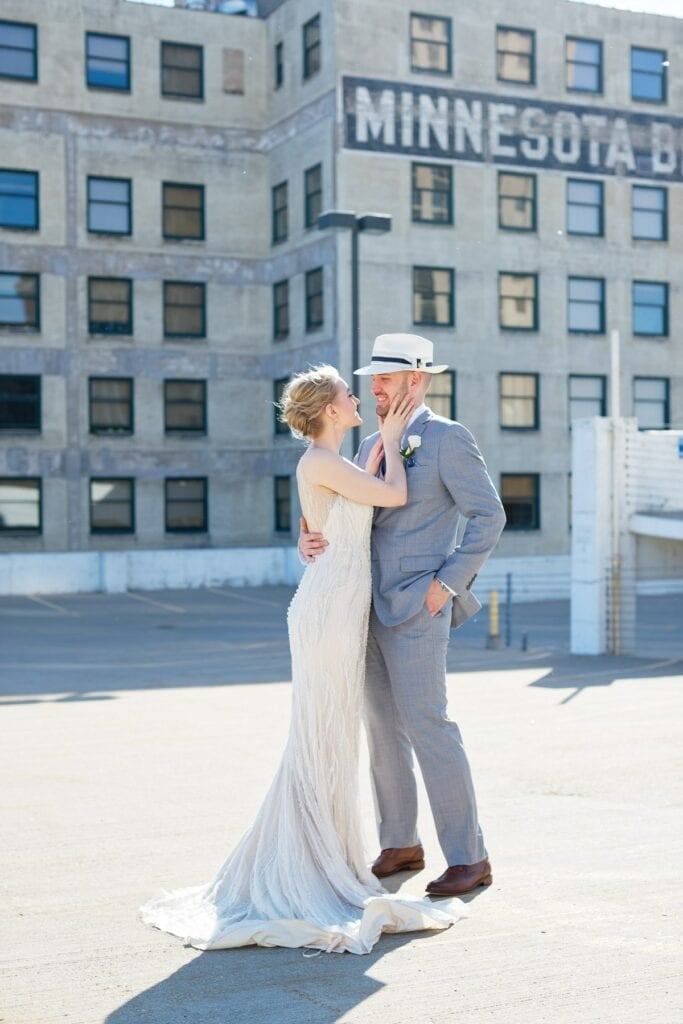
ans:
x=310 y=544
x=436 y=597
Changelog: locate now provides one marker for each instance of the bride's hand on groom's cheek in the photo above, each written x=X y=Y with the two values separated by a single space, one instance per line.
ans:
x=310 y=544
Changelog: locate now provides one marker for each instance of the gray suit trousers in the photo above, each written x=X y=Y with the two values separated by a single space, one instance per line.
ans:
x=405 y=712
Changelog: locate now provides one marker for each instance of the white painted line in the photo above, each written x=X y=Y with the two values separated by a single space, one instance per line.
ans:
x=156 y=604
x=243 y=599
x=50 y=604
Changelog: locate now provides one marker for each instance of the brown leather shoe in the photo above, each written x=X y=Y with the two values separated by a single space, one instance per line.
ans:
x=462 y=878
x=406 y=858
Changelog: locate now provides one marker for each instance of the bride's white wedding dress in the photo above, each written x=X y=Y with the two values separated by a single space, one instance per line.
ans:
x=299 y=877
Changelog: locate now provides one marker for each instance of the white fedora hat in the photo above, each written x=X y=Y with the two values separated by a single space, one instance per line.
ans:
x=392 y=353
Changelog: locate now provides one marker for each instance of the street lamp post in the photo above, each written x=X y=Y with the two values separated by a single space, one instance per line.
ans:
x=371 y=224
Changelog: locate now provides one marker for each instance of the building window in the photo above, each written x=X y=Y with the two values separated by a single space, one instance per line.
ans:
x=182 y=71
x=184 y=310
x=19 y=200
x=109 y=206
x=110 y=305
x=283 y=504
x=18 y=51
x=430 y=44
x=585 y=204
x=280 y=310
x=313 y=195
x=651 y=308
x=432 y=193
x=279 y=65
x=183 y=211
x=112 y=505
x=516 y=201
x=583 y=64
x=519 y=401
x=20 y=301
x=107 y=61
x=311 y=46
x=279 y=213
x=587 y=396
x=278 y=390
x=649 y=213
x=515 y=55
x=19 y=402
x=518 y=302
x=586 y=305
x=111 y=405
x=186 y=505
x=442 y=394
x=185 y=406
x=648 y=75
x=434 y=296
x=314 y=299
x=20 y=505
x=520 y=494
x=651 y=402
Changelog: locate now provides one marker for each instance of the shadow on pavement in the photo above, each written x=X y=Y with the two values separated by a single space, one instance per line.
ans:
x=253 y=985
x=77 y=647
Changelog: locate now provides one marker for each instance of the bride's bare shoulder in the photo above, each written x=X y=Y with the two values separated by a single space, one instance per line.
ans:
x=316 y=464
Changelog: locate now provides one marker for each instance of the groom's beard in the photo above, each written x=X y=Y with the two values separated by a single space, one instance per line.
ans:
x=382 y=408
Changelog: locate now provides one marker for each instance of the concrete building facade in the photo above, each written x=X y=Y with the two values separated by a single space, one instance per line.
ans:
x=162 y=273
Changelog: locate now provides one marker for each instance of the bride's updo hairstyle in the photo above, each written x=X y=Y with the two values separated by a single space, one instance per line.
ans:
x=305 y=398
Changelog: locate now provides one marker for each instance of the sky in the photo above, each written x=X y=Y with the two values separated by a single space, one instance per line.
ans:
x=671 y=7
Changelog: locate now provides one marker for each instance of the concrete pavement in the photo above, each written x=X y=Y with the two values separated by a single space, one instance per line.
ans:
x=139 y=733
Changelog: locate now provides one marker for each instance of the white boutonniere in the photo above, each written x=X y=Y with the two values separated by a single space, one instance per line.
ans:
x=414 y=442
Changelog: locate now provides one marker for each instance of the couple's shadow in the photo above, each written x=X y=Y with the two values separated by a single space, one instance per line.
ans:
x=266 y=986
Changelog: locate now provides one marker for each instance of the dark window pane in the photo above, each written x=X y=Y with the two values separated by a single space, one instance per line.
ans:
x=283 y=504
x=186 y=504
x=520 y=496
x=311 y=46
x=182 y=71
x=184 y=309
x=281 y=310
x=111 y=405
x=185 y=406
x=314 y=299
x=110 y=305
x=19 y=402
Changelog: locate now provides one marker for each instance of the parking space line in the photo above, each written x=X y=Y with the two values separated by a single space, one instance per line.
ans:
x=243 y=599
x=50 y=604
x=157 y=604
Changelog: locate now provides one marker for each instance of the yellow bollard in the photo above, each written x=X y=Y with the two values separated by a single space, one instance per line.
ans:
x=493 y=639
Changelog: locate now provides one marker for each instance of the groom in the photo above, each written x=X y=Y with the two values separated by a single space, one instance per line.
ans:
x=421 y=585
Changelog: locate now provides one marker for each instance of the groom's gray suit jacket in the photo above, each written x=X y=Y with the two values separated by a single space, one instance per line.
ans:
x=447 y=478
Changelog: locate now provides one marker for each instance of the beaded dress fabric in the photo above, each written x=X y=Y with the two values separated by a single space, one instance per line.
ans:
x=299 y=876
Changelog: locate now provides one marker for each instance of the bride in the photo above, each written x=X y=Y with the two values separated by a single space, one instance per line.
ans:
x=298 y=877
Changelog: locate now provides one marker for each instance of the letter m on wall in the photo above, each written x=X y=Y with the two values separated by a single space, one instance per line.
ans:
x=373 y=116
